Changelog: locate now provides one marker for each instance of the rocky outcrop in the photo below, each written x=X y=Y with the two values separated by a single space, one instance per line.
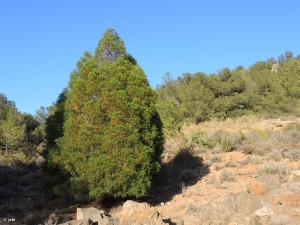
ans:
x=139 y=213
x=131 y=213
x=265 y=200
x=95 y=215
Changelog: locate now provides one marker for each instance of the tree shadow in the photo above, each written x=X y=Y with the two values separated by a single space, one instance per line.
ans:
x=182 y=172
x=22 y=198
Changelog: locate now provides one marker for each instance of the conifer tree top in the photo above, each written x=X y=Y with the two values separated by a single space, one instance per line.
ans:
x=110 y=47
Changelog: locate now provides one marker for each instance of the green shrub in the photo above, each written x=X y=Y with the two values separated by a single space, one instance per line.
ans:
x=230 y=141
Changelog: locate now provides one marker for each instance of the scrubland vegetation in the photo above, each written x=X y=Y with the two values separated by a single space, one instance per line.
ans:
x=249 y=134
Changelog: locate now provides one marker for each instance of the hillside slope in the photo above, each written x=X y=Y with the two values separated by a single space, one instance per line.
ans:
x=243 y=171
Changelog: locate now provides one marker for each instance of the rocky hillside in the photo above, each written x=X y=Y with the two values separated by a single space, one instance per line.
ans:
x=244 y=171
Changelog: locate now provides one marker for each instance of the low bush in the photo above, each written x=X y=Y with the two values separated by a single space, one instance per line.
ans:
x=272 y=167
x=226 y=175
x=293 y=154
x=228 y=141
x=275 y=156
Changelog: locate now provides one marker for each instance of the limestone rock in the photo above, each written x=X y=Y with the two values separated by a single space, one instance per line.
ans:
x=139 y=213
x=95 y=215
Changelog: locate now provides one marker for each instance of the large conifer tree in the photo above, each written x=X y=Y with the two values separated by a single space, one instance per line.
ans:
x=112 y=132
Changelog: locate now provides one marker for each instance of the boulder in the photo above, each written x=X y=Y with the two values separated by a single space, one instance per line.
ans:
x=95 y=215
x=139 y=213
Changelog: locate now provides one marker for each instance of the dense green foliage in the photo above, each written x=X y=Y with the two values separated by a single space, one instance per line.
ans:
x=54 y=130
x=112 y=134
x=20 y=134
x=54 y=122
x=12 y=128
x=267 y=88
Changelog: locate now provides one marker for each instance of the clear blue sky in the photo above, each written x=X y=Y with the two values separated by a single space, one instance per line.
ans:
x=41 y=41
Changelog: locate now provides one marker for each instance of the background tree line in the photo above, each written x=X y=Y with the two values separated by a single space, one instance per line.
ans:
x=21 y=134
x=269 y=87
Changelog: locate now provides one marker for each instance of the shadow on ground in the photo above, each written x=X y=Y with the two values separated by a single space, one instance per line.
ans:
x=174 y=177
x=183 y=171
x=22 y=199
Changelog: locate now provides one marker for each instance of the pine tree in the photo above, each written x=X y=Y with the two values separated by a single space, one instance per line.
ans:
x=112 y=132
